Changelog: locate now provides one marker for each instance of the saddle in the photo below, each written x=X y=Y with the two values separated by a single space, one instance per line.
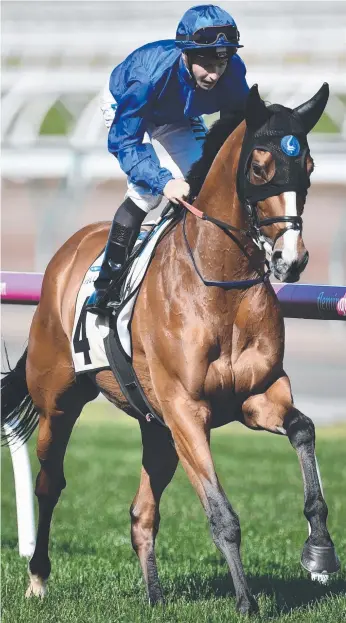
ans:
x=103 y=342
x=119 y=285
x=120 y=362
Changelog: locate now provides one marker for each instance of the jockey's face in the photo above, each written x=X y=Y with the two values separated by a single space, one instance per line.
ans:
x=206 y=70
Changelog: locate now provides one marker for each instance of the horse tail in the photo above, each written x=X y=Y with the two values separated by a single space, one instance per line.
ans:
x=19 y=416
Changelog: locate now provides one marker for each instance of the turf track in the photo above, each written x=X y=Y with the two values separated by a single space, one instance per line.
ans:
x=95 y=575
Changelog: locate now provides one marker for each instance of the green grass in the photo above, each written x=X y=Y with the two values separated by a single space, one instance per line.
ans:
x=95 y=574
x=57 y=121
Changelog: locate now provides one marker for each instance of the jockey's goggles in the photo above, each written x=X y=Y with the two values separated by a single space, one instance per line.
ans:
x=214 y=53
x=213 y=34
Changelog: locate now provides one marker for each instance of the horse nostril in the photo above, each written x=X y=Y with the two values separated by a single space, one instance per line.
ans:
x=277 y=255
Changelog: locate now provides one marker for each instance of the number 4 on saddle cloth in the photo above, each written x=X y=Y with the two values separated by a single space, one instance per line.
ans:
x=99 y=342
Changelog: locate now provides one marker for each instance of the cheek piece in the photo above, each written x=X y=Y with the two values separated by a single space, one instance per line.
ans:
x=283 y=136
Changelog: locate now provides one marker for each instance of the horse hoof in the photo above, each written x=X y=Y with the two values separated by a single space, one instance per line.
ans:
x=156 y=597
x=157 y=601
x=320 y=559
x=36 y=588
x=247 y=605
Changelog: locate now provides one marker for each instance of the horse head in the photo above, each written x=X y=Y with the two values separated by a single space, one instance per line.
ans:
x=274 y=176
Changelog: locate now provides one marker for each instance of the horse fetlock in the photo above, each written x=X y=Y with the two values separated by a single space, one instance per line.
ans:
x=247 y=604
x=156 y=600
x=37 y=586
x=316 y=512
x=319 y=559
x=155 y=594
x=39 y=566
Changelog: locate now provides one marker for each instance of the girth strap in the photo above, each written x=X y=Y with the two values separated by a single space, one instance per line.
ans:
x=124 y=373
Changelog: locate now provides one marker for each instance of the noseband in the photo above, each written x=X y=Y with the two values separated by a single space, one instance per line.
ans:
x=256 y=223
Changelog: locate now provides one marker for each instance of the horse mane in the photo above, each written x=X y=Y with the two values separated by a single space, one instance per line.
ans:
x=215 y=138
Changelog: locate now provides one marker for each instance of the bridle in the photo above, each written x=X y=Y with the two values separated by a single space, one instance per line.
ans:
x=282 y=132
x=253 y=232
x=256 y=223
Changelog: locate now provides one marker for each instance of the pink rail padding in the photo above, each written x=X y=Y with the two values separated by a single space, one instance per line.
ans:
x=314 y=302
x=21 y=288
x=302 y=300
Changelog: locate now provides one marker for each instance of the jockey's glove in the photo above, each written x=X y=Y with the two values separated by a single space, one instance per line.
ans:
x=176 y=189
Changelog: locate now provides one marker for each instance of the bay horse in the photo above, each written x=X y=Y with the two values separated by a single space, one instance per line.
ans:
x=208 y=341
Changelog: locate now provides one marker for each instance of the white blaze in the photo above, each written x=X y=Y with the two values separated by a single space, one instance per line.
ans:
x=290 y=237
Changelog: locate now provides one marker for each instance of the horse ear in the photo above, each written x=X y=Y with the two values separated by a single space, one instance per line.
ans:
x=310 y=112
x=256 y=112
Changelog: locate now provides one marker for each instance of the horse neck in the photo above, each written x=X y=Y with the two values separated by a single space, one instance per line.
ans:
x=218 y=196
x=218 y=253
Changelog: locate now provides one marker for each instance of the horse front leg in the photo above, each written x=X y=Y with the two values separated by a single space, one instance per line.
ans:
x=275 y=412
x=189 y=421
x=159 y=463
x=318 y=556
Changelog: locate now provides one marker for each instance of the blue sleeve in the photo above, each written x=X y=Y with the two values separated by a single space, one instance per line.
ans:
x=125 y=139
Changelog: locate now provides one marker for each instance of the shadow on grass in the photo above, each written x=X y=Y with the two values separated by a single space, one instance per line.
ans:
x=295 y=593
x=288 y=594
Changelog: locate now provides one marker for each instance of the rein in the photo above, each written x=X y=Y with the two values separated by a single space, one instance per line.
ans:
x=253 y=233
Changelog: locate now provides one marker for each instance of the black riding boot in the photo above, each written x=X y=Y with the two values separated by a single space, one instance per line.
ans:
x=122 y=237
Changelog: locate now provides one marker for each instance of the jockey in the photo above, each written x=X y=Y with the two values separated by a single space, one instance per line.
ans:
x=152 y=107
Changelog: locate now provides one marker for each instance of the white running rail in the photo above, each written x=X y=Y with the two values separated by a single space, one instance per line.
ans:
x=24 y=495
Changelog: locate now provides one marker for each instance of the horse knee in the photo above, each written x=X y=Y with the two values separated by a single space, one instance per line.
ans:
x=145 y=523
x=300 y=429
x=224 y=523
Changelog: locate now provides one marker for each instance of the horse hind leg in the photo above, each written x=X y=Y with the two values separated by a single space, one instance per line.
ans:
x=159 y=463
x=275 y=412
x=53 y=436
x=55 y=427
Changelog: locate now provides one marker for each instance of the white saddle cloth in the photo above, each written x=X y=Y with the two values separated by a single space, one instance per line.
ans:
x=89 y=330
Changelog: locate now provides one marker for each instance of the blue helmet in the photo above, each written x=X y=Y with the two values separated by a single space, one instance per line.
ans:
x=207 y=26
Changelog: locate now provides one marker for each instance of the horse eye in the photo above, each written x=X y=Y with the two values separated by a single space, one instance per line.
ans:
x=257 y=169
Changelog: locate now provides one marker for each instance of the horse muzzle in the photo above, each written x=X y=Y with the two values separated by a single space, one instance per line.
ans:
x=288 y=272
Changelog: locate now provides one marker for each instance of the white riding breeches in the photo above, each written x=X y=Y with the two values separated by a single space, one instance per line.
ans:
x=177 y=146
